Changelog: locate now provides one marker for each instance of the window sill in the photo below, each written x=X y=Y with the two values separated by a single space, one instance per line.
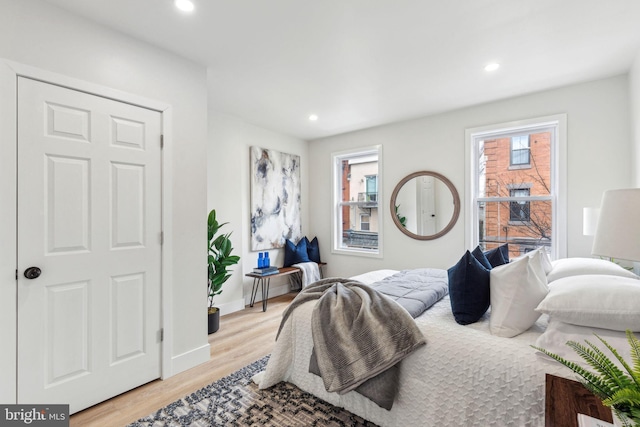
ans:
x=358 y=252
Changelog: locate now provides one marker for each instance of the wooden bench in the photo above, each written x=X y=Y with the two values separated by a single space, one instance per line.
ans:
x=263 y=281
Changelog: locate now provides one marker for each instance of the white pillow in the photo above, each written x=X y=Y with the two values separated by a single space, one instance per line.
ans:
x=515 y=291
x=576 y=266
x=543 y=257
x=555 y=337
x=599 y=301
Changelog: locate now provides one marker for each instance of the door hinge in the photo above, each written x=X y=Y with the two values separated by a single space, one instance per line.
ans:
x=161 y=142
x=16 y=274
x=161 y=334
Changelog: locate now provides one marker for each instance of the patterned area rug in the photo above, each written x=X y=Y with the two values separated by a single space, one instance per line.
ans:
x=236 y=401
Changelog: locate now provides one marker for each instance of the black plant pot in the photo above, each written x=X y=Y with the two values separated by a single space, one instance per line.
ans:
x=214 y=321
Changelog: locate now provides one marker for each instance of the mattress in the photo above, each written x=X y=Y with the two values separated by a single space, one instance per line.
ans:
x=464 y=376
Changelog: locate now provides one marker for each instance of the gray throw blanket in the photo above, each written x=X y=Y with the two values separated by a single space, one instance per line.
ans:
x=353 y=337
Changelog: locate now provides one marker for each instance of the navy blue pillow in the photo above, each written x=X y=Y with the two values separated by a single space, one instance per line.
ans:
x=313 y=250
x=294 y=254
x=498 y=256
x=479 y=255
x=469 y=289
x=505 y=251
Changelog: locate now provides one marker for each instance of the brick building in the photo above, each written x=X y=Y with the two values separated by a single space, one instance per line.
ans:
x=516 y=170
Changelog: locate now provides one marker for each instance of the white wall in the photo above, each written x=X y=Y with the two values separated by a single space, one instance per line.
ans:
x=229 y=192
x=634 y=96
x=599 y=151
x=38 y=34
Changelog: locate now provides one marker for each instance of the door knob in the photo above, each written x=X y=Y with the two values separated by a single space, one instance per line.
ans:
x=32 y=273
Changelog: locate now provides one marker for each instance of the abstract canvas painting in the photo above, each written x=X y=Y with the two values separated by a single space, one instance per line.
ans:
x=275 y=198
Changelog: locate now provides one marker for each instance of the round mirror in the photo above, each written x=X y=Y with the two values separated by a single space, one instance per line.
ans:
x=425 y=205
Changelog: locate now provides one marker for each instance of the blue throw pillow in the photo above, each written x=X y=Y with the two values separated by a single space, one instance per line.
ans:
x=469 y=289
x=480 y=256
x=294 y=254
x=498 y=256
x=313 y=250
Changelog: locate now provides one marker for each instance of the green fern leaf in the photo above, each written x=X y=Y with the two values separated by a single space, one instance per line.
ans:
x=626 y=397
x=635 y=355
x=599 y=388
x=609 y=372
x=632 y=374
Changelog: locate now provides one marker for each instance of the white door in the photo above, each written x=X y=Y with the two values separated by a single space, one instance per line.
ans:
x=427 y=205
x=89 y=186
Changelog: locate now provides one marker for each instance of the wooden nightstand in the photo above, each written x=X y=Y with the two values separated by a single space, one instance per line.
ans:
x=565 y=399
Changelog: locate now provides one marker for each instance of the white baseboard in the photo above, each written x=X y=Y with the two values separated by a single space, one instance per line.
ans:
x=230 y=307
x=190 y=359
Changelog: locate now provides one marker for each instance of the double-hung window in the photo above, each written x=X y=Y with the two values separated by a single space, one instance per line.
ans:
x=357 y=215
x=520 y=150
x=517 y=186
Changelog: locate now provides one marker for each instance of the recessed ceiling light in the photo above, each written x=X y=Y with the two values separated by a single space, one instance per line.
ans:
x=313 y=117
x=184 y=5
x=492 y=67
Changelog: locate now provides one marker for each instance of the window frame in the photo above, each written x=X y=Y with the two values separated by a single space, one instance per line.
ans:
x=558 y=125
x=338 y=204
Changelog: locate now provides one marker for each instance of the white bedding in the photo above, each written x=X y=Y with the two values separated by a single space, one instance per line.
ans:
x=464 y=376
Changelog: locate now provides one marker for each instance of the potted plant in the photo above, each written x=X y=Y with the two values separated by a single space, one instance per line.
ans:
x=219 y=259
x=618 y=389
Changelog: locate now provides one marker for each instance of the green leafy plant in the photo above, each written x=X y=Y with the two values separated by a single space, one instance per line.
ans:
x=618 y=390
x=402 y=219
x=220 y=258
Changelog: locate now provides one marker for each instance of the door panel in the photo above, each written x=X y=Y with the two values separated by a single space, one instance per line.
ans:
x=89 y=186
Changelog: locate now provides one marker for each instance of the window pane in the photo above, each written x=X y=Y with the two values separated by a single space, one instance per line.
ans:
x=359 y=202
x=496 y=226
x=496 y=177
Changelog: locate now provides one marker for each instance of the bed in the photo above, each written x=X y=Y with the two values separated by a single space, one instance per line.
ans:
x=463 y=376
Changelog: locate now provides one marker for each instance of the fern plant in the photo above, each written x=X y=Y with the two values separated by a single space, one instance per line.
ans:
x=618 y=389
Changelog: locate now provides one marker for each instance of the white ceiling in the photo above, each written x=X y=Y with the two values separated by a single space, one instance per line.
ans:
x=362 y=63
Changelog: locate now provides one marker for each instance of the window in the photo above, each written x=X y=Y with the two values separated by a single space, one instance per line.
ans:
x=372 y=188
x=519 y=209
x=524 y=205
x=364 y=222
x=520 y=150
x=357 y=218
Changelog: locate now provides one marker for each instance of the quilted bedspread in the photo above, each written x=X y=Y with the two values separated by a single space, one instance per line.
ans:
x=416 y=290
x=464 y=376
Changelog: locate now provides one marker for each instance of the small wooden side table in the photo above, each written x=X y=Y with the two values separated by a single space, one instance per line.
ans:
x=565 y=399
x=263 y=280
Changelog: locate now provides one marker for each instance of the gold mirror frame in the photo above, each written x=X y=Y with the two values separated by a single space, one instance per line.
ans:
x=454 y=216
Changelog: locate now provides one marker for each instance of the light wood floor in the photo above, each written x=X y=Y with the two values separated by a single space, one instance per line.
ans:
x=244 y=337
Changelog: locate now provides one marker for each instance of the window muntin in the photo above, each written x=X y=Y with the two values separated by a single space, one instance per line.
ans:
x=357 y=221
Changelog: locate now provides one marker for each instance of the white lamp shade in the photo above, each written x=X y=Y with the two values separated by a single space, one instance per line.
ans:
x=618 y=231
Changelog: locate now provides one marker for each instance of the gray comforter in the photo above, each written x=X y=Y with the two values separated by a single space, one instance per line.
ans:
x=416 y=290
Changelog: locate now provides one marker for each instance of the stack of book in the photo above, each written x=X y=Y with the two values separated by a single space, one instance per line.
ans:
x=266 y=270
